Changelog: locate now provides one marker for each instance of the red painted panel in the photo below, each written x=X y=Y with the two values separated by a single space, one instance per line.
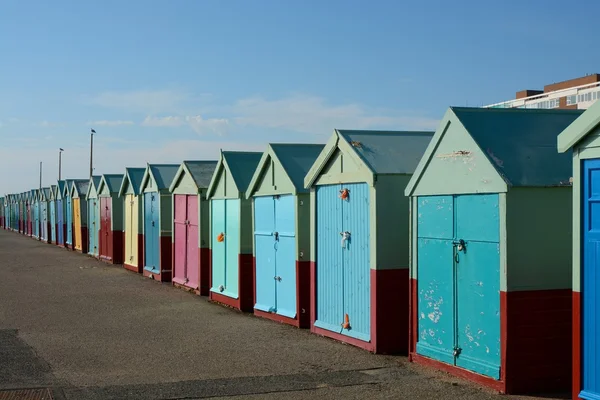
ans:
x=179 y=239
x=192 y=260
x=204 y=271
x=106 y=245
x=247 y=285
x=538 y=329
x=413 y=319
x=389 y=310
x=576 y=344
x=84 y=240
x=165 y=259
x=118 y=243
x=303 y=285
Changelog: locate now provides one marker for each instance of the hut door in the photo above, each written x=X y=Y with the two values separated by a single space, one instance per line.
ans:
x=151 y=231
x=106 y=227
x=330 y=285
x=44 y=220
x=217 y=216
x=131 y=230
x=232 y=246
x=60 y=221
x=180 y=238
x=192 y=265
x=356 y=260
x=285 y=255
x=53 y=221
x=69 y=220
x=477 y=268
x=590 y=281
x=77 y=223
x=93 y=227
x=264 y=244
x=458 y=276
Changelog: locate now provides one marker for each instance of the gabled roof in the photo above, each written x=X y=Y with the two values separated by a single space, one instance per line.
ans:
x=579 y=128
x=133 y=177
x=161 y=174
x=80 y=187
x=241 y=166
x=67 y=188
x=200 y=171
x=45 y=194
x=382 y=152
x=53 y=192
x=60 y=189
x=295 y=159
x=518 y=143
x=93 y=183
x=112 y=181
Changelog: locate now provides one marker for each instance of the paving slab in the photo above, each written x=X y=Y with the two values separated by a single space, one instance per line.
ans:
x=90 y=330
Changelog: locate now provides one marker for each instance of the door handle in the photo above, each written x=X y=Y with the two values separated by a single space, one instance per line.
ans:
x=276 y=234
x=277 y=278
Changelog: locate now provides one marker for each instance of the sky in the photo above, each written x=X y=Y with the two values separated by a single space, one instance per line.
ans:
x=162 y=81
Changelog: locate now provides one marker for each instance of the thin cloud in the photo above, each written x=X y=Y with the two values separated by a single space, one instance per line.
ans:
x=312 y=114
x=109 y=123
x=48 y=124
x=197 y=123
x=147 y=101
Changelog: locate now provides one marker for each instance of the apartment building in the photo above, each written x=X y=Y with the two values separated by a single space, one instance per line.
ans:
x=579 y=93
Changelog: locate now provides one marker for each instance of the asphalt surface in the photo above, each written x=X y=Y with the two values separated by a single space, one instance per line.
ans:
x=88 y=330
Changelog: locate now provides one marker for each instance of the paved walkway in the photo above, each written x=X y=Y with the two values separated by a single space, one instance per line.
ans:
x=88 y=330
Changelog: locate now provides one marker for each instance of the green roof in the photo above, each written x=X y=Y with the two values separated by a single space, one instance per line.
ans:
x=201 y=171
x=134 y=176
x=163 y=174
x=580 y=128
x=296 y=160
x=80 y=185
x=242 y=166
x=389 y=152
x=113 y=182
x=46 y=193
x=521 y=143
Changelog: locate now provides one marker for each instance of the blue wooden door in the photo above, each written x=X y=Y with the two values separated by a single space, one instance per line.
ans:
x=217 y=221
x=232 y=247
x=69 y=220
x=93 y=226
x=151 y=225
x=264 y=245
x=478 y=284
x=435 y=277
x=285 y=255
x=36 y=220
x=60 y=221
x=330 y=284
x=44 y=220
x=356 y=261
x=458 y=272
x=53 y=236
x=590 y=282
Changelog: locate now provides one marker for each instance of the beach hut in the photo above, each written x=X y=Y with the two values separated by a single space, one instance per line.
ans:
x=487 y=297
x=3 y=212
x=281 y=227
x=359 y=237
x=232 y=277
x=93 y=216
x=158 y=218
x=61 y=227
x=111 y=219
x=191 y=256
x=79 y=189
x=580 y=140
x=44 y=195
x=52 y=234
x=30 y=213
x=133 y=229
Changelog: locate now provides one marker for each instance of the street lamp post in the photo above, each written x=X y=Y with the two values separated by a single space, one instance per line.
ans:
x=60 y=150
x=91 y=151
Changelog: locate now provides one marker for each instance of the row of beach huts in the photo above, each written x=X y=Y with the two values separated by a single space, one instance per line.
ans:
x=474 y=249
